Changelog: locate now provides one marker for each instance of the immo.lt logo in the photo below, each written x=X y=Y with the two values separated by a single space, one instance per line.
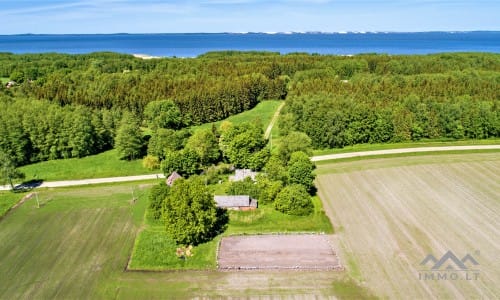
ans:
x=449 y=267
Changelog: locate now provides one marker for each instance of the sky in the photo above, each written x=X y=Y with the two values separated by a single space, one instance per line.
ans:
x=155 y=16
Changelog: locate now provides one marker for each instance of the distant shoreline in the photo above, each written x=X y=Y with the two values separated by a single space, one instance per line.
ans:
x=146 y=56
x=258 y=33
x=150 y=46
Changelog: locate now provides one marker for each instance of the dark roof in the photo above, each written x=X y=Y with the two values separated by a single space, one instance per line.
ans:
x=173 y=177
x=235 y=201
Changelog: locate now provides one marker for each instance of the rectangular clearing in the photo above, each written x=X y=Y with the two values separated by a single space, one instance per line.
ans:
x=294 y=251
x=392 y=213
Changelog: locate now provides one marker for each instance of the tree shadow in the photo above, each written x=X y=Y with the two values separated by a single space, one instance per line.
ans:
x=222 y=221
x=27 y=186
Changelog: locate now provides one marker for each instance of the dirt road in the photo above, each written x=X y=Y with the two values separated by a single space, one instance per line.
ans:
x=314 y=158
x=273 y=121
x=64 y=183
x=403 y=150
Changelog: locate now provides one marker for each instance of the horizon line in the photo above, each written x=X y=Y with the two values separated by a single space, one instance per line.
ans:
x=262 y=32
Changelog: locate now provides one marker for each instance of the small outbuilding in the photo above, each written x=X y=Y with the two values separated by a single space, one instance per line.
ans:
x=236 y=202
x=172 y=178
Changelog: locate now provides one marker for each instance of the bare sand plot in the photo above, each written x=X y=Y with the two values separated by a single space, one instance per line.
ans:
x=298 y=251
x=389 y=219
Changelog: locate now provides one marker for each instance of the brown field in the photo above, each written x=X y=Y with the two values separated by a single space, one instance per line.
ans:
x=294 y=251
x=389 y=214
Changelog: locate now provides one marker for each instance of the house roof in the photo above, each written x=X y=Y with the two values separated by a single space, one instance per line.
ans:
x=173 y=177
x=233 y=201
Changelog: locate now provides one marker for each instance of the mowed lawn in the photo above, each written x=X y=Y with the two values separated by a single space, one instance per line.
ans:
x=106 y=164
x=389 y=214
x=77 y=245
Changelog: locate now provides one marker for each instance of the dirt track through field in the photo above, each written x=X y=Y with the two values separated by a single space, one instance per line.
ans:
x=389 y=219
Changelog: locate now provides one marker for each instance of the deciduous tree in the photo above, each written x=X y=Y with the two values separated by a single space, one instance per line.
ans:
x=190 y=213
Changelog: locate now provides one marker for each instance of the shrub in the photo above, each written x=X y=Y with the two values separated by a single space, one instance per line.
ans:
x=157 y=196
x=294 y=200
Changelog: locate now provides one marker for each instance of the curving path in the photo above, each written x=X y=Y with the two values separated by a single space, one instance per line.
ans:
x=54 y=184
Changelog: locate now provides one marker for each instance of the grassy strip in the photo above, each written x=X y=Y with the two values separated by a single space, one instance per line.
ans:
x=7 y=200
x=154 y=250
x=102 y=165
x=264 y=111
x=4 y=80
x=429 y=143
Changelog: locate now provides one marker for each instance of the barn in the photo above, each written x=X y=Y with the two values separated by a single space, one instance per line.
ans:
x=236 y=202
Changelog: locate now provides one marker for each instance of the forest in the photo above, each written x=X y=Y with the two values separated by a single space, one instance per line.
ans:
x=64 y=106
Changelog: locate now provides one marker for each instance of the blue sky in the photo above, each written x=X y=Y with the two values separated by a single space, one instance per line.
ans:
x=154 y=16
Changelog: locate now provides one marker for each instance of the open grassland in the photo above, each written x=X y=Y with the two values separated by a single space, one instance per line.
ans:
x=77 y=245
x=102 y=165
x=264 y=112
x=391 y=213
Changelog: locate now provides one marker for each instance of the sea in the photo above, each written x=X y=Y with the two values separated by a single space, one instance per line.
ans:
x=194 y=44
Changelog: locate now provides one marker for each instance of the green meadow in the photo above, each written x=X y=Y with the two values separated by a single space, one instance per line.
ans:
x=102 y=165
x=264 y=112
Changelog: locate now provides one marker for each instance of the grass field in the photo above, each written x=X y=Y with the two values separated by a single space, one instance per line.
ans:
x=102 y=165
x=264 y=111
x=78 y=243
x=4 y=80
x=391 y=213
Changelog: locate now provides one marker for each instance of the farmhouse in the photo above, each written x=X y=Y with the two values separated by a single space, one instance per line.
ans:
x=241 y=174
x=173 y=177
x=238 y=202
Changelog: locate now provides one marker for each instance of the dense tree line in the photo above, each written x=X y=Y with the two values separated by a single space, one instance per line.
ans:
x=71 y=105
x=33 y=130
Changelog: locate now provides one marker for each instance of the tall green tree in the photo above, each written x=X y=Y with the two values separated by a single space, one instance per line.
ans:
x=293 y=142
x=205 y=144
x=8 y=171
x=129 y=141
x=301 y=170
x=163 y=114
x=190 y=213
